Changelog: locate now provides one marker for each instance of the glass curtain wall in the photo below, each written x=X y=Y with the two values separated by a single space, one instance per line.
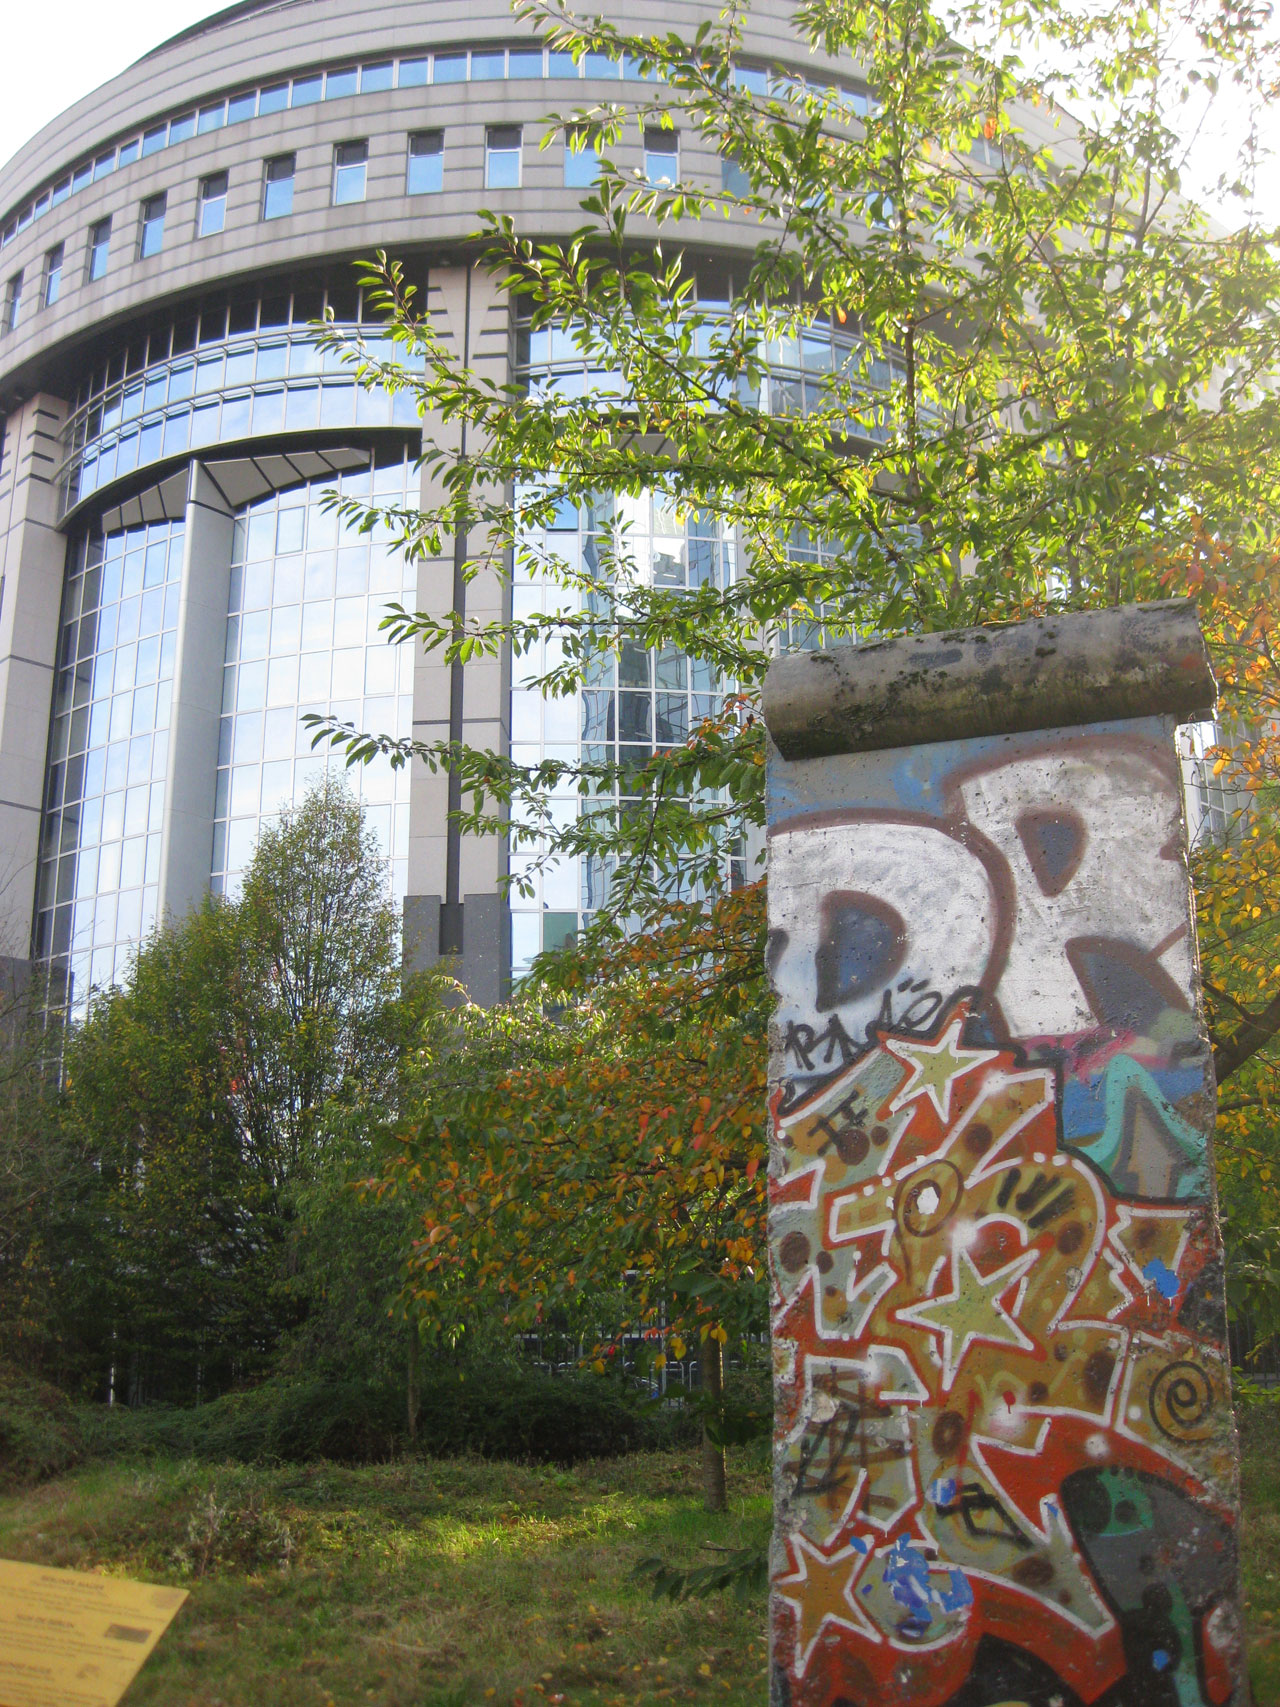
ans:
x=104 y=793
x=302 y=636
x=240 y=368
x=639 y=702
x=645 y=701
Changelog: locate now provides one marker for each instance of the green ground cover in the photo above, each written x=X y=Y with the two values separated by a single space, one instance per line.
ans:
x=441 y=1584
x=1260 y=1554
x=414 y=1584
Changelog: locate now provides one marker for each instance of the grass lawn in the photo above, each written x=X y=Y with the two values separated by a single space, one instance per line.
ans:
x=1260 y=1556
x=416 y=1584
x=450 y=1583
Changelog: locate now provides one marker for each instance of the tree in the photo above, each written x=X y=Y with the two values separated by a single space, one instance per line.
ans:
x=207 y=1092
x=601 y=1167
x=47 y=1295
x=1238 y=904
x=316 y=970
x=983 y=361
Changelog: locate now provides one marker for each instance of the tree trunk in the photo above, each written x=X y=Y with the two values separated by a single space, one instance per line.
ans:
x=714 y=1494
x=414 y=1346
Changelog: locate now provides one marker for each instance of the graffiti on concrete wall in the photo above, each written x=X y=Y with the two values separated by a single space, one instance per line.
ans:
x=1004 y=1451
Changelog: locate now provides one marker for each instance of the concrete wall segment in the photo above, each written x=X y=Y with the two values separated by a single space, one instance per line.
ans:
x=1005 y=1463
x=1074 y=668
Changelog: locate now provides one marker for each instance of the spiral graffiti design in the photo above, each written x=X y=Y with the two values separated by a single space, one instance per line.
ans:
x=1181 y=1398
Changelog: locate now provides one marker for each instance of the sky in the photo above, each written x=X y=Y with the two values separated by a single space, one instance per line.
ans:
x=49 y=68
x=54 y=57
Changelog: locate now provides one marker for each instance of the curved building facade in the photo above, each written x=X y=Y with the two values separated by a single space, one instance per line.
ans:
x=174 y=597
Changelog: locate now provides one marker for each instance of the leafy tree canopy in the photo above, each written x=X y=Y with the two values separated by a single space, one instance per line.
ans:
x=600 y=1166
x=977 y=354
x=210 y=1092
x=980 y=360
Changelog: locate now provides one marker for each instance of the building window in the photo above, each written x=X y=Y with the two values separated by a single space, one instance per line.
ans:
x=305 y=599
x=105 y=810
x=277 y=188
x=99 y=243
x=212 y=213
x=581 y=159
x=13 y=303
x=426 y=163
x=151 y=234
x=52 y=275
x=502 y=154
x=350 y=162
x=733 y=176
x=661 y=155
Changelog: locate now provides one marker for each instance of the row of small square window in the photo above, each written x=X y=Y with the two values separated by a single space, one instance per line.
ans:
x=78 y=825
x=217 y=321
x=110 y=764
x=458 y=65
x=206 y=377
x=664 y=718
x=322 y=675
x=124 y=812
x=118 y=717
x=264 y=587
x=119 y=623
x=424 y=175
x=485 y=64
x=235 y=839
x=117 y=669
x=342 y=403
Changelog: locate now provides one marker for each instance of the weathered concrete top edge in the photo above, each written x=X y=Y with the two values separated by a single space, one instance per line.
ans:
x=1047 y=673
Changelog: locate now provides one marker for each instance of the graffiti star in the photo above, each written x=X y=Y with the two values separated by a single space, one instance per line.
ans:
x=822 y=1588
x=971 y=1311
x=936 y=1066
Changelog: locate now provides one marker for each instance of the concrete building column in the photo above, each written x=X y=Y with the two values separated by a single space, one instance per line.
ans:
x=32 y=565
x=1005 y=1458
x=454 y=906
x=187 y=847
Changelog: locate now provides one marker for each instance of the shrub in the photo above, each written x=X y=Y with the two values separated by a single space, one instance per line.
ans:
x=40 y=1433
x=507 y=1412
x=502 y=1411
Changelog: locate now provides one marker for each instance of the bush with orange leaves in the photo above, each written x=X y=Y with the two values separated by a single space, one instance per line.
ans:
x=594 y=1153
x=1237 y=880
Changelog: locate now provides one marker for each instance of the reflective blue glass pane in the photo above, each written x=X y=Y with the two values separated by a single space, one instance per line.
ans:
x=339 y=83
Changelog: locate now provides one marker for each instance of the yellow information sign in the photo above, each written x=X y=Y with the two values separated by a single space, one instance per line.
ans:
x=73 y=1639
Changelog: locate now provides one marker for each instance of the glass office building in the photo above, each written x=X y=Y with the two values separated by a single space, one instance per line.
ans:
x=174 y=595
